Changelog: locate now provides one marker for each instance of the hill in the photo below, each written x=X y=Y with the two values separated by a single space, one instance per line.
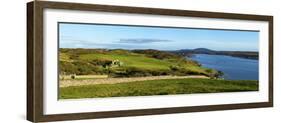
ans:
x=128 y=63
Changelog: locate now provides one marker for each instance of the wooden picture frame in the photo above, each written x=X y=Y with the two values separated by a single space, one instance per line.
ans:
x=35 y=56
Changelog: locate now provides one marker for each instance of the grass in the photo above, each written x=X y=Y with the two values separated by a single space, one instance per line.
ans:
x=141 y=61
x=158 y=87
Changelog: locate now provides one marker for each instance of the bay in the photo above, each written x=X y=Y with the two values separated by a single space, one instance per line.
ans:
x=234 y=68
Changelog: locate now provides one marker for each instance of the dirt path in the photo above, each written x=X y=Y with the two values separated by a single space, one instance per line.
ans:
x=67 y=83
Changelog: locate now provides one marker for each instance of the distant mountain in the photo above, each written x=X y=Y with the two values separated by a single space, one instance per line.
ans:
x=188 y=52
x=241 y=54
x=203 y=51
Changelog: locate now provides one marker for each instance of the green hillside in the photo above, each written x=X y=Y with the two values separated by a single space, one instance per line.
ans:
x=128 y=63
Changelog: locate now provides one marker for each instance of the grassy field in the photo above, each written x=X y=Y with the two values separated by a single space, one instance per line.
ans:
x=157 y=87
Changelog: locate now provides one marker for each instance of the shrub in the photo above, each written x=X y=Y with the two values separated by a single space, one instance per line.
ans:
x=73 y=76
x=67 y=67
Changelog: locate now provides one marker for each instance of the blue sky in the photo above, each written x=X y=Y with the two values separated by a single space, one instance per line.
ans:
x=139 y=37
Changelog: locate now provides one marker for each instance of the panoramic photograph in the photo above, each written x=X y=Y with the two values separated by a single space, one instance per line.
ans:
x=106 y=60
